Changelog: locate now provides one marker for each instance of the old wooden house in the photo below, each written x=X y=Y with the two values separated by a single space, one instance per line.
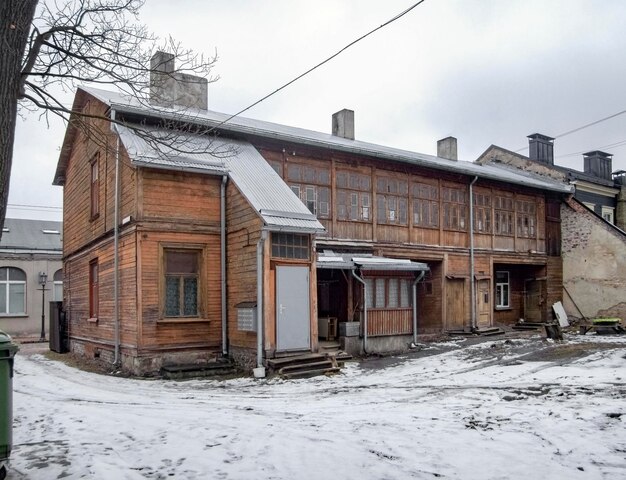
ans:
x=265 y=239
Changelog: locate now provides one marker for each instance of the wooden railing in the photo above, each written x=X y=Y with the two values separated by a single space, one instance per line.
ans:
x=389 y=322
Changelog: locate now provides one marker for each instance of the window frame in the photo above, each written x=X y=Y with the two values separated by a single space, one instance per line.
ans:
x=454 y=208
x=198 y=275
x=290 y=243
x=354 y=196
x=94 y=289
x=608 y=212
x=311 y=184
x=94 y=190
x=6 y=282
x=426 y=207
x=379 y=293
x=392 y=200
x=502 y=290
x=526 y=218
x=57 y=283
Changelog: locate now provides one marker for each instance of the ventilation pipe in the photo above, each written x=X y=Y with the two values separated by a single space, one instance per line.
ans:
x=259 y=371
x=417 y=280
x=360 y=280
x=223 y=264
x=471 y=236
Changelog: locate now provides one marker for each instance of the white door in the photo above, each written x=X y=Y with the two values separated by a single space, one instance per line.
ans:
x=293 y=325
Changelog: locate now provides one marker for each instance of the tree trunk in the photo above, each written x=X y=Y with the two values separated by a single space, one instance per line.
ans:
x=16 y=17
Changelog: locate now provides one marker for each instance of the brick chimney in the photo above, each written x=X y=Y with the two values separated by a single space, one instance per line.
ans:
x=343 y=124
x=599 y=164
x=169 y=88
x=541 y=148
x=446 y=148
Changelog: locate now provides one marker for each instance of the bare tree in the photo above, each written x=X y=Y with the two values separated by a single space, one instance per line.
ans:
x=55 y=45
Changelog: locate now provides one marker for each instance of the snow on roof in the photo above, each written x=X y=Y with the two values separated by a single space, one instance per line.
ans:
x=367 y=262
x=248 y=126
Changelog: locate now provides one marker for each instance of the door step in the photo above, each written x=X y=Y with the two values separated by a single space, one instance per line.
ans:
x=210 y=369
x=310 y=365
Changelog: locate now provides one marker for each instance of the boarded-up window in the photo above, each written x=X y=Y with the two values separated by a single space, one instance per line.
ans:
x=181 y=283
x=391 y=201
x=93 y=289
x=95 y=186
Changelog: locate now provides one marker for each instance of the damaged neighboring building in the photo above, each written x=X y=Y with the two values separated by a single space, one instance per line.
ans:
x=267 y=240
x=592 y=225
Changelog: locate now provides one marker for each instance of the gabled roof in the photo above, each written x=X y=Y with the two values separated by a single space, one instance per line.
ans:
x=31 y=235
x=247 y=127
x=267 y=193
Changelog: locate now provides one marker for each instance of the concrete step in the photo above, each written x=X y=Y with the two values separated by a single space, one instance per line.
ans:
x=195 y=370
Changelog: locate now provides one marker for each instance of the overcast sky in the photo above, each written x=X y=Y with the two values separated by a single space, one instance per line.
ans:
x=486 y=72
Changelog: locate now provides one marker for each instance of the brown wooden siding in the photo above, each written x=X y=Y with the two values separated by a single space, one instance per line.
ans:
x=389 y=322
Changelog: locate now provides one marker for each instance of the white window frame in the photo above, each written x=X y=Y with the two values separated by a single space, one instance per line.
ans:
x=608 y=213
x=5 y=310
x=503 y=289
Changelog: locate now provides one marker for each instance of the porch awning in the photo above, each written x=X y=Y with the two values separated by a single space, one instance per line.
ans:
x=366 y=262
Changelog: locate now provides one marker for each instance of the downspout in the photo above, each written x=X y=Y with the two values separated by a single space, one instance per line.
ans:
x=259 y=372
x=223 y=264
x=116 y=259
x=471 y=230
x=360 y=280
x=415 y=282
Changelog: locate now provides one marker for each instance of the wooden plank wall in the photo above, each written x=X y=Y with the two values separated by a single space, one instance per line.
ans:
x=244 y=231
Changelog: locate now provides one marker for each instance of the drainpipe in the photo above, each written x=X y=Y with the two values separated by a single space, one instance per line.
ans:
x=360 y=280
x=259 y=372
x=116 y=239
x=223 y=264
x=417 y=280
x=471 y=230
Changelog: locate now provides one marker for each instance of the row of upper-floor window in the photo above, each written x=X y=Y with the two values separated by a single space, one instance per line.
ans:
x=430 y=205
x=14 y=290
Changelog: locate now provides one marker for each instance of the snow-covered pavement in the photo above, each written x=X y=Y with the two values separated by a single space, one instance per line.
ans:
x=496 y=410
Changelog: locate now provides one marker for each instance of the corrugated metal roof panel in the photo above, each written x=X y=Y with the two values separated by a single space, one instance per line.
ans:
x=249 y=126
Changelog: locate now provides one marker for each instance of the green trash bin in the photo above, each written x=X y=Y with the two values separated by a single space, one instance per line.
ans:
x=7 y=352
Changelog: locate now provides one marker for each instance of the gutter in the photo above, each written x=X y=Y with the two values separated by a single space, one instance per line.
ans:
x=415 y=282
x=360 y=280
x=223 y=264
x=471 y=235
x=116 y=259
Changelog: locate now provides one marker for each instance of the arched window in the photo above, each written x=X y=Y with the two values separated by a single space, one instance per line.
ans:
x=12 y=291
x=58 y=286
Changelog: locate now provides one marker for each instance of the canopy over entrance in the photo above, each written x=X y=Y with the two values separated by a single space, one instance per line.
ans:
x=365 y=262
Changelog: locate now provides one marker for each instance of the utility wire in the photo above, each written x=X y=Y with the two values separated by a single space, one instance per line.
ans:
x=398 y=16
x=21 y=206
x=578 y=129
x=621 y=143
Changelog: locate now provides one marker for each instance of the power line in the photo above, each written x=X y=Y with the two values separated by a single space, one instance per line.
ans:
x=21 y=206
x=578 y=129
x=398 y=16
x=621 y=143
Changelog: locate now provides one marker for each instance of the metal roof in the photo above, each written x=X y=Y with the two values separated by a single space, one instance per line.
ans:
x=34 y=235
x=366 y=262
x=248 y=126
x=277 y=205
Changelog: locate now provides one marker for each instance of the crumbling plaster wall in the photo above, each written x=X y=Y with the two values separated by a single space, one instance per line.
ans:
x=497 y=155
x=594 y=264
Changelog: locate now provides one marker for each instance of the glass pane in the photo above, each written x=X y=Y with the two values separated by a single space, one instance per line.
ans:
x=190 y=296
x=17 y=274
x=16 y=298
x=181 y=262
x=58 y=292
x=380 y=293
x=405 y=294
x=3 y=298
x=392 y=284
x=172 y=297
x=58 y=276
x=369 y=289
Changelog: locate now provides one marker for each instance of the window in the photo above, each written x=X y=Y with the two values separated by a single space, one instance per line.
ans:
x=290 y=245
x=353 y=196
x=181 y=282
x=312 y=186
x=93 y=289
x=391 y=201
x=454 y=208
x=57 y=282
x=95 y=186
x=607 y=214
x=425 y=205
x=503 y=216
x=503 y=291
x=12 y=291
x=526 y=219
x=388 y=293
x=482 y=213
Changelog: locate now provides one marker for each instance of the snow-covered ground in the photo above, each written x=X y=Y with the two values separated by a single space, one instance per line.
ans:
x=496 y=410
